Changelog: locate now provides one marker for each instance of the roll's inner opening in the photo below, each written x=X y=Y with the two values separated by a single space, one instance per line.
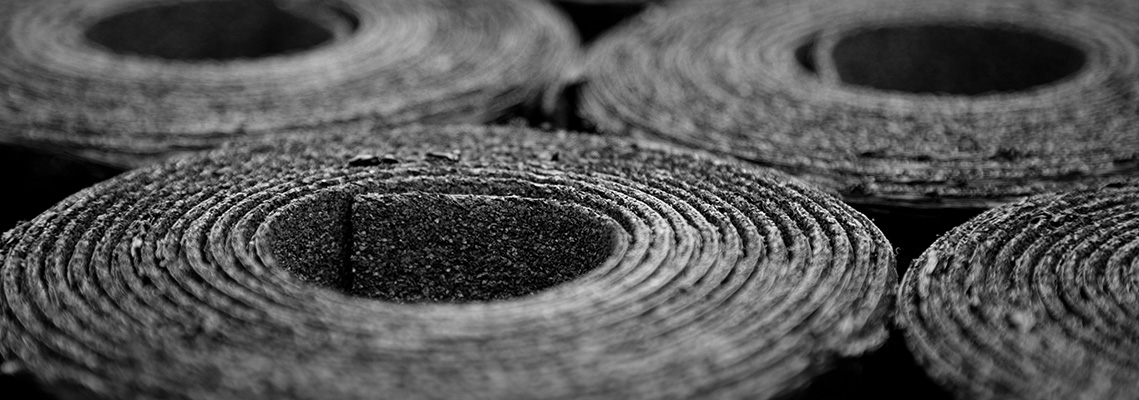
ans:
x=424 y=247
x=955 y=60
x=221 y=30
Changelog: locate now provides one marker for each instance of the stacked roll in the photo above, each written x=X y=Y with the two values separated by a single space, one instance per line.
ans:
x=430 y=262
x=896 y=104
x=131 y=81
x=1036 y=300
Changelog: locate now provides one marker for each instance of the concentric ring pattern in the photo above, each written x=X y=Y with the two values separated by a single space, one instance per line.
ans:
x=756 y=79
x=183 y=279
x=131 y=81
x=1035 y=300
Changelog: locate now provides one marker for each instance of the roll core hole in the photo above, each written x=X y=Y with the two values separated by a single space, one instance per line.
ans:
x=221 y=30
x=422 y=247
x=955 y=60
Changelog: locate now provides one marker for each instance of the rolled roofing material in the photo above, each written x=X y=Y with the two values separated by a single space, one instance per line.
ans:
x=1035 y=300
x=430 y=262
x=919 y=105
x=130 y=81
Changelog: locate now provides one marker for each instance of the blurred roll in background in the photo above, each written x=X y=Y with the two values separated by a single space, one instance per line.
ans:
x=920 y=113
x=123 y=83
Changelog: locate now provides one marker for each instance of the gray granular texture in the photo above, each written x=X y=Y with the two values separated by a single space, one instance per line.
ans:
x=562 y=244
x=1034 y=300
x=943 y=104
x=442 y=262
x=131 y=82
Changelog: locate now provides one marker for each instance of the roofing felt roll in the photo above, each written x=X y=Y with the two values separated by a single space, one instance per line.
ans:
x=129 y=81
x=431 y=262
x=919 y=107
x=1034 y=300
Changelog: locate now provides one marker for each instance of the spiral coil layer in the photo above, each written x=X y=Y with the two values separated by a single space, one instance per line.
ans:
x=131 y=81
x=1035 y=300
x=891 y=103
x=251 y=272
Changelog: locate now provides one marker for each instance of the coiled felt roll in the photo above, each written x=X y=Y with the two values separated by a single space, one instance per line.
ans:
x=131 y=81
x=913 y=105
x=1035 y=300
x=442 y=262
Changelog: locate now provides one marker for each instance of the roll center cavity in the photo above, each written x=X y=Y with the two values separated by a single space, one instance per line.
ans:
x=952 y=60
x=423 y=247
x=221 y=30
